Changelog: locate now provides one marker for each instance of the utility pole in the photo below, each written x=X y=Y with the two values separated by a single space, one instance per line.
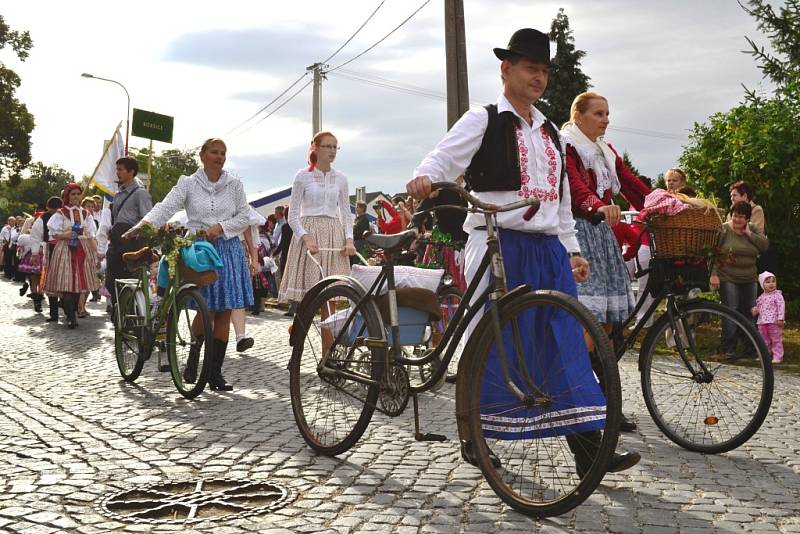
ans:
x=456 y=54
x=316 y=97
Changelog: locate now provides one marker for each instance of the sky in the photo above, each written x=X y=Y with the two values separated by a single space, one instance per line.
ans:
x=211 y=65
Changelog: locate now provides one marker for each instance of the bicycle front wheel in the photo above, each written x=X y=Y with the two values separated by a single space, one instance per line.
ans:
x=332 y=411
x=129 y=331
x=541 y=412
x=189 y=342
x=713 y=401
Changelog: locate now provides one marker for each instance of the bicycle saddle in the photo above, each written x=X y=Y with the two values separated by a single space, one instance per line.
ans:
x=389 y=243
x=141 y=258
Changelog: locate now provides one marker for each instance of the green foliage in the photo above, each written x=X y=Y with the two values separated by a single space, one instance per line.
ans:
x=566 y=81
x=16 y=123
x=759 y=141
x=45 y=181
x=783 y=31
x=167 y=168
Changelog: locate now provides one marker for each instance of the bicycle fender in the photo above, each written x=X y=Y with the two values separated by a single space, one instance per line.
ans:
x=315 y=290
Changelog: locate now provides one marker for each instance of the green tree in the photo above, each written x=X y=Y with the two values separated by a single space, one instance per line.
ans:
x=567 y=80
x=759 y=141
x=168 y=166
x=28 y=194
x=16 y=123
x=783 y=31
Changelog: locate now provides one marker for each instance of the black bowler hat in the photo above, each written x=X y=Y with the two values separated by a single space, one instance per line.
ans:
x=528 y=43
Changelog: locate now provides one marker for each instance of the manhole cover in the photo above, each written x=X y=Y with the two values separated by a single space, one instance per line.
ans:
x=196 y=500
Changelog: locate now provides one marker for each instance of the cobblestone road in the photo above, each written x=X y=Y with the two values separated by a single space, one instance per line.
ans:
x=71 y=432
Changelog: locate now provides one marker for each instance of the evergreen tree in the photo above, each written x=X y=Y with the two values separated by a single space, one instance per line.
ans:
x=16 y=123
x=783 y=31
x=567 y=80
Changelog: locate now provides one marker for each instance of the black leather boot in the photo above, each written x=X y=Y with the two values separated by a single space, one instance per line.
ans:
x=215 y=379
x=190 y=372
x=53 y=302
x=37 y=303
x=70 y=310
x=469 y=455
x=584 y=445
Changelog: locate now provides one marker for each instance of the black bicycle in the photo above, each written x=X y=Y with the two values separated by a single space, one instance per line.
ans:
x=347 y=362
x=703 y=399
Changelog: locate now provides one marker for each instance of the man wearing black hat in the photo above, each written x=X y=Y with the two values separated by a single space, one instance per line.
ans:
x=508 y=151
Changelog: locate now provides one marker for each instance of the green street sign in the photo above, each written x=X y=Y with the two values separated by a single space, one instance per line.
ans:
x=152 y=125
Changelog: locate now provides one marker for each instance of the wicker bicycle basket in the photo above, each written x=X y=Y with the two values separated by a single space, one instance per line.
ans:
x=690 y=233
x=190 y=276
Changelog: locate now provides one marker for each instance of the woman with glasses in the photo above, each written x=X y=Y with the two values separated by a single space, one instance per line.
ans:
x=320 y=219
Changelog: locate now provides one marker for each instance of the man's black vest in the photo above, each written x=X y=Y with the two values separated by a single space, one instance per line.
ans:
x=495 y=166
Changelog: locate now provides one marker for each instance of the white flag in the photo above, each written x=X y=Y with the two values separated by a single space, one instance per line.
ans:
x=105 y=174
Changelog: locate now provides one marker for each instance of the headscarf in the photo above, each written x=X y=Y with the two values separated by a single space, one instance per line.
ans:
x=67 y=209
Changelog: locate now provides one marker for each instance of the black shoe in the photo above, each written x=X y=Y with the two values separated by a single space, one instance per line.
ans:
x=468 y=454
x=51 y=319
x=37 y=303
x=23 y=289
x=215 y=379
x=255 y=312
x=621 y=462
x=626 y=425
x=244 y=344
x=289 y=314
x=72 y=325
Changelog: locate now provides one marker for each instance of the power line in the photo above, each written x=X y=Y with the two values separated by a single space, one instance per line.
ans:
x=268 y=115
x=401 y=87
x=426 y=2
x=355 y=33
x=264 y=108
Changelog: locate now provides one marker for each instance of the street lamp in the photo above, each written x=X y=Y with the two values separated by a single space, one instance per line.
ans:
x=127 y=115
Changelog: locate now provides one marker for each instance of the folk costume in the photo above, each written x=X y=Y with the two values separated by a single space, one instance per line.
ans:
x=597 y=173
x=504 y=160
x=8 y=240
x=71 y=267
x=208 y=203
x=319 y=206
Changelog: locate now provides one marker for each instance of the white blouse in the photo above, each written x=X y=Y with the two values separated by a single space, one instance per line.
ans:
x=206 y=203
x=320 y=194
x=453 y=154
x=59 y=223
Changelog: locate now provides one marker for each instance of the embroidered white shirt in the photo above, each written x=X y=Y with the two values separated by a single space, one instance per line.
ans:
x=58 y=223
x=206 y=203
x=320 y=194
x=540 y=164
x=8 y=235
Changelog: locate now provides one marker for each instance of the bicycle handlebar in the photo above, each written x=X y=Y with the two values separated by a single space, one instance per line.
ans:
x=531 y=203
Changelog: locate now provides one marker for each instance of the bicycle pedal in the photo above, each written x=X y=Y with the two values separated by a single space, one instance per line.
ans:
x=430 y=437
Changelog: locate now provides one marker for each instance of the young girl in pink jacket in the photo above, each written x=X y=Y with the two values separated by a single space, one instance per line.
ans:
x=770 y=309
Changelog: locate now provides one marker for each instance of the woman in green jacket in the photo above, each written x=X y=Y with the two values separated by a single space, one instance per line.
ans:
x=737 y=280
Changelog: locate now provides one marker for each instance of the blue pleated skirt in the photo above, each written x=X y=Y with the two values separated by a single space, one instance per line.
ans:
x=608 y=293
x=556 y=357
x=233 y=288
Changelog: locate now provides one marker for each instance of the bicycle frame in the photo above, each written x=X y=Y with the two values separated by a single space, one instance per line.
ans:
x=152 y=324
x=457 y=325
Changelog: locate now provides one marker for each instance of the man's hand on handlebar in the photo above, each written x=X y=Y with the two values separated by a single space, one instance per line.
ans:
x=419 y=188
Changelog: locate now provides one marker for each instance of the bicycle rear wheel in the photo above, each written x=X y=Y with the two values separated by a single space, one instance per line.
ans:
x=189 y=342
x=714 y=412
x=130 y=324
x=332 y=412
x=555 y=443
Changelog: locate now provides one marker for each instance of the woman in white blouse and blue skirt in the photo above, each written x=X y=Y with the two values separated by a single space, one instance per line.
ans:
x=215 y=202
x=320 y=218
